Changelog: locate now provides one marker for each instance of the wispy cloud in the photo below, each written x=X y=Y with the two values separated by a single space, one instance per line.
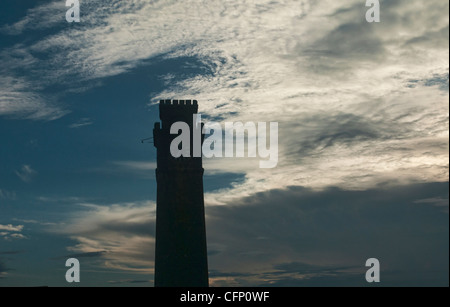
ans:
x=64 y=199
x=129 y=281
x=83 y=255
x=10 y=227
x=143 y=169
x=19 y=99
x=3 y=270
x=284 y=61
x=29 y=221
x=4 y=194
x=299 y=236
x=81 y=123
x=287 y=237
x=120 y=234
x=440 y=202
x=26 y=173
x=38 y=18
x=136 y=165
x=10 y=232
x=15 y=236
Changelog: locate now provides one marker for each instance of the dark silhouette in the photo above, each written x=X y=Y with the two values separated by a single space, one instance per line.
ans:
x=180 y=257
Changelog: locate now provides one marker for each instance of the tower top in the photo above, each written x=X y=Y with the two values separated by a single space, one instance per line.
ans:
x=176 y=102
x=174 y=110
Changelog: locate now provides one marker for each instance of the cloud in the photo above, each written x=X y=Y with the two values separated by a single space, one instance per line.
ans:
x=26 y=173
x=136 y=166
x=437 y=202
x=83 y=255
x=293 y=274
x=4 y=194
x=81 y=123
x=16 y=236
x=38 y=18
x=11 y=232
x=29 y=221
x=288 y=237
x=120 y=235
x=340 y=88
x=298 y=236
x=129 y=281
x=3 y=270
x=21 y=95
x=10 y=227
x=142 y=169
x=65 y=199
x=19 y=99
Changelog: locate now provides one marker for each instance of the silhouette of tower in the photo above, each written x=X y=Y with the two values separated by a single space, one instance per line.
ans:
x=180 y=257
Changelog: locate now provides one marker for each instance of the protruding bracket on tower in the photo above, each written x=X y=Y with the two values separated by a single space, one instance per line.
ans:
x=150 y=139
x=156 y=132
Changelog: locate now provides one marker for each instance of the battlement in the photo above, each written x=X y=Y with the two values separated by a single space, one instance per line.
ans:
x=174 y=110
x=176 y=102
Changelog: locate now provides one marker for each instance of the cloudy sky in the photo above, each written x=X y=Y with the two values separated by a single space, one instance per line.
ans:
x=363 y=119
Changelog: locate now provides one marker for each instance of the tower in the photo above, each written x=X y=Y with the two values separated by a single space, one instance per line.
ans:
x=181 y=255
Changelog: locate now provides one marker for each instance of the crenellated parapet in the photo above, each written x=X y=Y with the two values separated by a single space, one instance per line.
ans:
x=176 y=102
x=171 y=111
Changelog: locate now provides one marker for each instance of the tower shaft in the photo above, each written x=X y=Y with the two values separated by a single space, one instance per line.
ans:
x=181 y=253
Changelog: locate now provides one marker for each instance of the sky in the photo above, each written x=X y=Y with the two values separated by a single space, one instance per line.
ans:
x=363 y=136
